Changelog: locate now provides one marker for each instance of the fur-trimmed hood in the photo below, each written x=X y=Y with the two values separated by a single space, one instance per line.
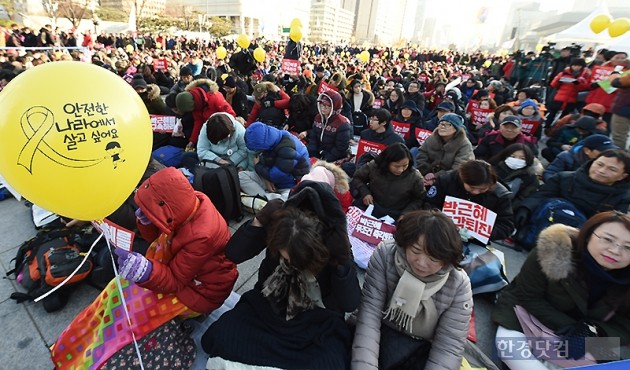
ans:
x=204 y=83
x=342 y=184
x=153 y=92
x=555 y=251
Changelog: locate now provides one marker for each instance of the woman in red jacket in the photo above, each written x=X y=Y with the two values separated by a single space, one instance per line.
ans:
x=568 y=83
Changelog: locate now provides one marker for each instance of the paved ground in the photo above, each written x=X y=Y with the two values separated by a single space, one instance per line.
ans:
x=26 y=330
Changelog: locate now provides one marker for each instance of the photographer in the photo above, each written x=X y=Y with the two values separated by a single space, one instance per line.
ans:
x=560 y=63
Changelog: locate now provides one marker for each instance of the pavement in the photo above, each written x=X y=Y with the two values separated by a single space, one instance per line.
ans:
x=27 y=331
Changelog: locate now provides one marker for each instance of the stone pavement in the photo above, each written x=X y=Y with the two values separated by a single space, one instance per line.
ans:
x=26 y=330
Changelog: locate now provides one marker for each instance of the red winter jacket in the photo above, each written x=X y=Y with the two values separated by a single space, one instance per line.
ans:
x=199 y=274
x=567 y=92
x=208 y=100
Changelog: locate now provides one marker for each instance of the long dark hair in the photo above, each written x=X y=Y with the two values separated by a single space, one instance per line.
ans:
x=529 y=155
x=394 y=153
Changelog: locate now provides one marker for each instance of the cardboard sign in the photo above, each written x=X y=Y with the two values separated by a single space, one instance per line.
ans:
x=325 y=86
x=422 y=135
x=291 y=67
x=599 y=73
x=401 y=129
x=163 y=124
x=117 y=235
x=479 y=116
x=529 y=127
x=378 y=103
x=477 y=219
x=160 y=64
x=372 y=230
x=366 y=146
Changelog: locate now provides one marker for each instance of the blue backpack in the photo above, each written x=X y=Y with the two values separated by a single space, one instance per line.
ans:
x=554 y=211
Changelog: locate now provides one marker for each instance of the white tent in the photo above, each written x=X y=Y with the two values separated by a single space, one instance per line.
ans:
x=581 y=32
x=621 y=43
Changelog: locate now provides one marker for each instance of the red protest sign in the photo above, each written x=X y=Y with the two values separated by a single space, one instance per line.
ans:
x=599 y=73
x=475 y=218
x=472 y=104
x=324 y=86
x=479 y=116
x=378 y=103
x=530 y=127
x=291 y=66
x=117 y=235
x=401 y=129
x=160 y=64
x=373 y=231
x=163 y=124
x=366 y=146
x=422 y=135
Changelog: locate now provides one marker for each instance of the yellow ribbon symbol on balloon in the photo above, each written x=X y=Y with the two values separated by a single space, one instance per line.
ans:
x=35 y=132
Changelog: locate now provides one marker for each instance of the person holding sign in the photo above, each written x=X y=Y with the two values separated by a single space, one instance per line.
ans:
x=531 y=117
x=475 y=181
x=618 y=62
x=446 y=149
x=380 y=128
x=620 y=122
x=569 y=83
x=390 y=183
x=417 y=301
x=575 y=288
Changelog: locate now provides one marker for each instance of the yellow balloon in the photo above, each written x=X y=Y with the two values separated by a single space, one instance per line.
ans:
x=296 y=34
x=539 y=47
x=77 y=147
x=364 y=56
x=385 y=53
x=295 y=23
x=619 y=27
x=158 y=45
x=599 y=23
x=260 y=54
x=221 y=52
x=406 y=56
x=129 y=48
x=243 y=41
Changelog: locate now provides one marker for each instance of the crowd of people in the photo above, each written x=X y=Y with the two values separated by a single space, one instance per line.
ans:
x=488 y=129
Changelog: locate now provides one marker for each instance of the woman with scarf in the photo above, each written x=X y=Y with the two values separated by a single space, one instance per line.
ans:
x=417 y=302
x=576 y=283
x=293 y=318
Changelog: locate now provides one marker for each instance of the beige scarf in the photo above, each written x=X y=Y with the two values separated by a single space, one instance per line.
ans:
x=411 y=307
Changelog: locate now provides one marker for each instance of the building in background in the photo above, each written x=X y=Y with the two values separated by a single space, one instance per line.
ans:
x=331 y=21
x=381 y=21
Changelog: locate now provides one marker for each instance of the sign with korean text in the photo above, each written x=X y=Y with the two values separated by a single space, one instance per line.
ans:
x=479 y=116
x=472 y=104
x=291 y=67
x=366 y=146
x=378 y=103
x=372 y=230
x=160 y=64
x=324 y=86
x=530 y=127
x=117 y=235
x=401 y=129
x=599 y=73
x=422 y=135
x=477 y=219
x=163 y=124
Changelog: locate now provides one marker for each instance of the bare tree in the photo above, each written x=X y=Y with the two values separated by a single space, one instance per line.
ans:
x=12 y=7
x=74 y=10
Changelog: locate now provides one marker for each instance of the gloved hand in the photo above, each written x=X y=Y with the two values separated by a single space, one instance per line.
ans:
x=142 y=217
x=572 y=343
x=268 y=103
x=133 y=266
x=264 y=216
x=520 y=217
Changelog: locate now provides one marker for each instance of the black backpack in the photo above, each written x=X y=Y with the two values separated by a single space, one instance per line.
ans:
x=222 y=186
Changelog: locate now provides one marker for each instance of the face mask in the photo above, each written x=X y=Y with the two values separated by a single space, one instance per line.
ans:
x=515 y=163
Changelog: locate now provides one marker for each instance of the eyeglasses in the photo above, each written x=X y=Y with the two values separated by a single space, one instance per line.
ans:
x=610 y=242
x=445 y=125
x=324 y=103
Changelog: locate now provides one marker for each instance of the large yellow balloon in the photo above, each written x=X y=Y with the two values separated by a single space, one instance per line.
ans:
x=260 y=54
x=296 y=34
x=243 y=41
x=75 y=146
x=295 y=23
x=599 y=23
x=364 y=56
x=221 y=52
x=619 y=27
x=129 y=48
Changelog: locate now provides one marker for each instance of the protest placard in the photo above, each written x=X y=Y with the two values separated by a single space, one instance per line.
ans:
x=422 y=135
x=479 y=116
x=475 y=218
x=366 y=146
x=378 y=103
x=599 y=73
x=529 y=127
x=291 y=67
x=372 y=230
x=401 y=129
x=117 y=235
x=160 y=64
x=324 y=86
x=163 y=124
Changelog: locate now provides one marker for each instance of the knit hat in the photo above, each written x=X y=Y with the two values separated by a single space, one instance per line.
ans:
x=320 y=174
x=185 y=71
x=446 y=106
x=598 y=142
x=138 y=82
x=528 y=103
x=230 y=82
x=185 y=102
x=454 y=119
x=411 y=105
x=513 y=120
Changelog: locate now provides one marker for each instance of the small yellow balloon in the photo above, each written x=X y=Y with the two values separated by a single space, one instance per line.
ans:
x=221 y=52
x=599 y=23
x=385 y=54
x=71 y=148
x=260 y=54
x=129 y=48
x=364 y=56
x=619 y=27
x=296 y=34
x=296 y=23
x=158 y=45
x=243 y=41
x=406 y=56
x=487 y=63
x=539 y=47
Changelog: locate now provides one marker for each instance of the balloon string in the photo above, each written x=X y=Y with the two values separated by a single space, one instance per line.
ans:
x=87 y=255
x=124 y=304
